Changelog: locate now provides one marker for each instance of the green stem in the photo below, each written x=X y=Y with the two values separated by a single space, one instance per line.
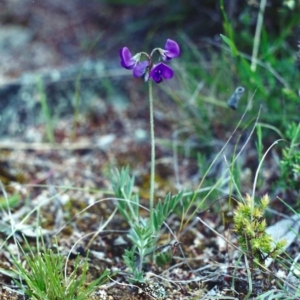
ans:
x=259 y=25
x=152 y=178
x=46 y=111
x=77 y=104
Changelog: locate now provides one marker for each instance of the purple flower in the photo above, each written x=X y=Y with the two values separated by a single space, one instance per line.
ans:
x=132 y=62
x=127 y=60
x=140 y=69
x=143 y=65
x=171 y=50
x=160 y=72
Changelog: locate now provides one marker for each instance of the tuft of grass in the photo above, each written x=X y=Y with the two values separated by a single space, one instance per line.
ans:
x=43 y=275
x=46 y=111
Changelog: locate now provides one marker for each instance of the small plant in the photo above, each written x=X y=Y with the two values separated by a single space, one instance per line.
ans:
x=141 y=237
x=250 y=227
x=43 y=274
x=290 y=163
x=143 y=232
x=128 y=203
x=143 y=66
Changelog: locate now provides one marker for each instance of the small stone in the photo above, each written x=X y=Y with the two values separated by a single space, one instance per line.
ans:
x=155 y=290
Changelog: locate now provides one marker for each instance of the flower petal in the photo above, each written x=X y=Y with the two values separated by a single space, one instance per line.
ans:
x=166 y=71
x=156 y=76
x=127 y=61
x=172 y=49
x=161 y=71
x=140 y=69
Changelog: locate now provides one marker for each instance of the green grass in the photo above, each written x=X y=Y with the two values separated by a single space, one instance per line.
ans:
x=46 y=111
x=43 y=278
x=265 y=65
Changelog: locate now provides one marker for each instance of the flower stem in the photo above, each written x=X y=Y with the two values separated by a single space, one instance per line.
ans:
x=152 y=175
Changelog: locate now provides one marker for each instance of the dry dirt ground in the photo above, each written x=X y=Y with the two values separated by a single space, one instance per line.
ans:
x=69 y=183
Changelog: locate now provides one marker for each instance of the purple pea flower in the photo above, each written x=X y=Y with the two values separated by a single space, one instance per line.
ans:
x=146 y=68
x=132 y=62
x=160 y=72
x=171 y=50
x=127 y=60
x=140 y=69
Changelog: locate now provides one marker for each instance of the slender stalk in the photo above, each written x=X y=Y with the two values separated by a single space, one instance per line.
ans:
x=46 y=111
x=77 y=104
x=258 y=29
x=152 y=175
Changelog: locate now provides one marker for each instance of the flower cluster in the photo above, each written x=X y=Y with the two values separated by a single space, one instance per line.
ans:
x=145 y=67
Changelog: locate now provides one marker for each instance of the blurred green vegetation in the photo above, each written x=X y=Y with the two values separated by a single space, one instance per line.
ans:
x=219 y=40
x=212 y=66
x=226 y=44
